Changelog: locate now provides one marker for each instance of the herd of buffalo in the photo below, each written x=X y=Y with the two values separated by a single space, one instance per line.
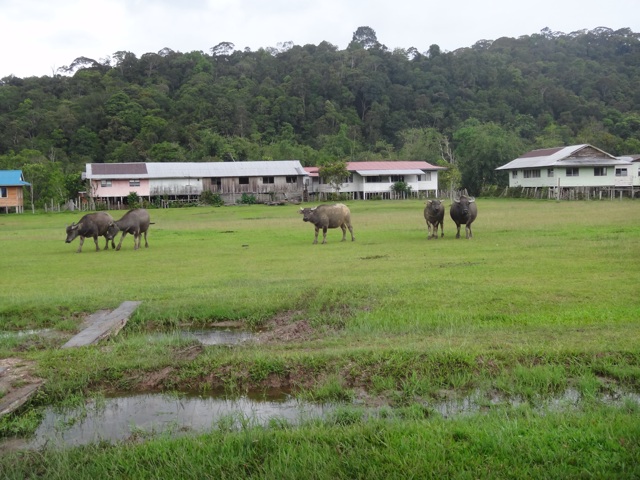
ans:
x=136 y=222
x=101 y=224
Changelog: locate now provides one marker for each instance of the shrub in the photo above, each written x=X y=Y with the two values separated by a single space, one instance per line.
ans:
x=133 y=200
x=248 y=199
x=207 y=197
x=401 y=188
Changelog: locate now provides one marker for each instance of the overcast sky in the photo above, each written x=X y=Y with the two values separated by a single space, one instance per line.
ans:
x=39 y=36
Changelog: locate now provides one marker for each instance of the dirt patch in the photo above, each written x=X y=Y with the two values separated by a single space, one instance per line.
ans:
x=282 y=328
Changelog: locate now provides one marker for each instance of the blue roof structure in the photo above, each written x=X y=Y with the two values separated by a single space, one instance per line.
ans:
x=12 y=178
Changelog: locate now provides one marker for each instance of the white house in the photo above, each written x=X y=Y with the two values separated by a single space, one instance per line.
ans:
x=583 y=168
x=113 y=182
x=374 y=179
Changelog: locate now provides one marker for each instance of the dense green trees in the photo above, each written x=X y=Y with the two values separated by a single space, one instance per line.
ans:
x=469 y=110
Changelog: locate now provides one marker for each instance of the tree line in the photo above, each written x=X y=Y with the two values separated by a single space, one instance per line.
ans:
x=470 y=110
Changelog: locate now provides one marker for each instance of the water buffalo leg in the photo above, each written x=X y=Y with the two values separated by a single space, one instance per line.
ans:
x=81 y=243
x=344 y=232
x=146 y=244
x=324 y=234
x=121 y=238
x=353 y=239
x=458 y=232
x=315 y=240
x=95 y=240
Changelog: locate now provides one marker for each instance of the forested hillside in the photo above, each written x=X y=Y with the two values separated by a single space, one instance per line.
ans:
x=472 y=109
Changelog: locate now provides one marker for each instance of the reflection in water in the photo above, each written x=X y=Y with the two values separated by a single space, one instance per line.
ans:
x=213 y=336
x=118 y=418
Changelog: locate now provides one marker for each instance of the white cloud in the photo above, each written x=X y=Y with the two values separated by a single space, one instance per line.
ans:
x=39 y=36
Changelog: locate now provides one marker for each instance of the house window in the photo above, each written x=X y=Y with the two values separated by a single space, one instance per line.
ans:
x=105 y=183
x=573 y=172
x=243 y=180
x=428 y=176
x=550 y=172
x=397 y=178
x=514 y=174
x=292 y=179
x=267 y=180
x=419 y=178
x=134 y=183
x=217 y=181
x=3 y=192
x=375 y=179
x=621 y=172
x=531 y=174
x=600 y=171
x=349 y=179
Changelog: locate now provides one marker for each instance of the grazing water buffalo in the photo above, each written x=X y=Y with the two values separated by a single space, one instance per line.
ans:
x=136 y=222
x=329 y=216
x=434 y=215
x=91 y=225
x=464 y=211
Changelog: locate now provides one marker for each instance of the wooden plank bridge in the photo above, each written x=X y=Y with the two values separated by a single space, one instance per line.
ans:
x=16 y=382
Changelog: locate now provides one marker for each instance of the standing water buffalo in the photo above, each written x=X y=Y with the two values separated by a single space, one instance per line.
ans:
x=136 y=222
x=91 y=225
x=329 y=216
x=434 y=215
x=464 y=211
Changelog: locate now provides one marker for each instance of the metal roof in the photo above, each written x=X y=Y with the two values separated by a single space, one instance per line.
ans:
x=195 y=170
x=390 y=165
x=384 y=168
x=559 y=157
x=12 y=178
x=373 y=173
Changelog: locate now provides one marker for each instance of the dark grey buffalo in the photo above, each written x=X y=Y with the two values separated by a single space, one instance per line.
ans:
x=329 y=216
x=434 y=215
x=91 y=225
x=136 y=222
x=464 y=211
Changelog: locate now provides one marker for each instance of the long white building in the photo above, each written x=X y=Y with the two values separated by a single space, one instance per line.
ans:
x=113 y=182
x=374 y=179
x=582 y=168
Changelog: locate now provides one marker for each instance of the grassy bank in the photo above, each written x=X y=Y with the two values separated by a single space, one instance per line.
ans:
x=543 y=299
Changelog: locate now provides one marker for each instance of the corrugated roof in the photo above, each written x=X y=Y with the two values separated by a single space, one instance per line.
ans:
x=400 y=165
x=373 y=173
x=12 y=178
x=195 y=170
x=119 y=169
x=384 y=168
x=558 y=157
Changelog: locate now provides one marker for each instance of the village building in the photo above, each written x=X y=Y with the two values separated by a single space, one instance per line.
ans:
x=171 y=181
x=576 y=171
x=12 y=185
x=368 y=180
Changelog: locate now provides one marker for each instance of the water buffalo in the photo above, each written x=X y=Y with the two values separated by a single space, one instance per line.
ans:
x=464 y=211
x=329 y=216
x=434 y=215
x=91 y=225
x=136 y=222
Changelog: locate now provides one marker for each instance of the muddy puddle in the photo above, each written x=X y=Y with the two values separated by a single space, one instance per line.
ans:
x=212 y=335
x=219 y=336
x=139 y=416
x=124 y=417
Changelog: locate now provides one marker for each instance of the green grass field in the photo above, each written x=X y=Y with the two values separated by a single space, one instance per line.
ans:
x=543 y=299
